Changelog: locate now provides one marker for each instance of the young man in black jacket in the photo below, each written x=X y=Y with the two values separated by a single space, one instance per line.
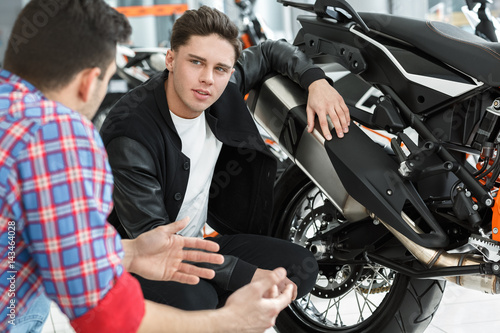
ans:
x=184 y=144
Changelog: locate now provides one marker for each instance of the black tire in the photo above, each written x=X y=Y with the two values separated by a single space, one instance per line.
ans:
x=402 y=305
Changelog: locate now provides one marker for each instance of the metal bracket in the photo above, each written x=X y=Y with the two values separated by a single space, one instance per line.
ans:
x=348 y=56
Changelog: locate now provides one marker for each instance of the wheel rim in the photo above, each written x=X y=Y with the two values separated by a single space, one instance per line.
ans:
x=345 y=295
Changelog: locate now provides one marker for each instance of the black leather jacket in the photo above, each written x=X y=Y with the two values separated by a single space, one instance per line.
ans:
x=151 y=173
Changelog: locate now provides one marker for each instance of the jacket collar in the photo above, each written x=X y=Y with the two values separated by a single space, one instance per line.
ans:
x=161 y=100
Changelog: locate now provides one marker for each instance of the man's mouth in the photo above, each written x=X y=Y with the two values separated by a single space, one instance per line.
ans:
x=202 y=92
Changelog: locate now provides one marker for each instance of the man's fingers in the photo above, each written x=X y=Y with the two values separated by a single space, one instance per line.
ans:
x=337 y=125
x=310 y=119
x=192 y=270
x=323 y=123
x=271 y=280
x=271 y=292
x=322 y=119
x=338 y=113
x=340 y=119
x=345 y=109
x=294 y=290
x=200 y=256
x=342 y=112
x=185 y=278
x=274 y=305
x=190 y=274
x=285 y=297
x=201 y=244
x=175 y=227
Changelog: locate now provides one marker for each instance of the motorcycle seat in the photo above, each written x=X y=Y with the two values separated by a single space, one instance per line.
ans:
x=450 y=44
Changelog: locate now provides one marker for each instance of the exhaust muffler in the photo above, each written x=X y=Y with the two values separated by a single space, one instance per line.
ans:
x=489 y=284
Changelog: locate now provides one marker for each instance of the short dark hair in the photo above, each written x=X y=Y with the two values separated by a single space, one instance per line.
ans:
x=53 y=40
x=204 y=22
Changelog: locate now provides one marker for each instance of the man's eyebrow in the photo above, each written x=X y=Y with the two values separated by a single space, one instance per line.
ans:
x=204 y=59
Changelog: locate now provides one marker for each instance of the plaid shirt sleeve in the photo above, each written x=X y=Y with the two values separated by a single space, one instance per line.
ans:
x=67 y=194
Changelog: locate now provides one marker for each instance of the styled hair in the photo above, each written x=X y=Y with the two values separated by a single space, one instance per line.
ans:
x=53 y=40
x=204 y=21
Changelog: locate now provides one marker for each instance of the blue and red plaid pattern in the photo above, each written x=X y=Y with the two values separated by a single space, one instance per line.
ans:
x=55 y=195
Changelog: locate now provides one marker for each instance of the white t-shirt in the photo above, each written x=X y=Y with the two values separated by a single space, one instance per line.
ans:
x=202 y=148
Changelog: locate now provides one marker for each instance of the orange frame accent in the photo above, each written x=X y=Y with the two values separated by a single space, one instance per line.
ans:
x=155 y=10
x=495 y=220
x=246 y=40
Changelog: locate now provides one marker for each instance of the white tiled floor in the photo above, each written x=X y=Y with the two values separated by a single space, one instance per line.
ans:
x=466 y=311
x=461 y=311
x=57 y=322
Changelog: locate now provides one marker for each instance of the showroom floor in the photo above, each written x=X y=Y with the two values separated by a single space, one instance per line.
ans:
x=461 y=311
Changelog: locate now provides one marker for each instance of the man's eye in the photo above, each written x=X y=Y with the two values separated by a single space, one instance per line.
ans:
x=220 y=69
x=196 y=62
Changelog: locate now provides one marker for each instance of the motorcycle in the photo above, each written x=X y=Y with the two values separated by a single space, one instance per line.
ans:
x=252 y=29
x=134 y=65
x=407 y=201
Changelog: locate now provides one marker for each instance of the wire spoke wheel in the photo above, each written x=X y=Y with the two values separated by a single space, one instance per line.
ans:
x=356 y=296
x=344 y=295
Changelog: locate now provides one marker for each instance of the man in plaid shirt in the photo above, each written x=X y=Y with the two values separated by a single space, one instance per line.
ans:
x=56 y=189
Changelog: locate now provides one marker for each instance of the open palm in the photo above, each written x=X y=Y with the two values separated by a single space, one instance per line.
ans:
x=161 y=254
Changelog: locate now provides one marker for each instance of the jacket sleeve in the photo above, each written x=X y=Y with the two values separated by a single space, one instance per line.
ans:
x=274 y=56
x=139 y=204
x=137 y=195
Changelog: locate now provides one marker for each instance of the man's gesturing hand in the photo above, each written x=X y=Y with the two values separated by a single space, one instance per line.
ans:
x=159 y=254
x=264 y=273
x=254 y=307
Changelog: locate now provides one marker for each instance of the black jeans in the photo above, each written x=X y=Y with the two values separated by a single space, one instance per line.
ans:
x=261 y=251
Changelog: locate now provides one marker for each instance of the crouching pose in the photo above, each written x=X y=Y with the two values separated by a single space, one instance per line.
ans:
x=183 y=144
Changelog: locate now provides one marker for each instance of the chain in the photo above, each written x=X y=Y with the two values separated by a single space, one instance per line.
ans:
x=374 y=290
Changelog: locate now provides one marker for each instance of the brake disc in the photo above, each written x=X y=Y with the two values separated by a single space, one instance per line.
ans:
x=339 y=280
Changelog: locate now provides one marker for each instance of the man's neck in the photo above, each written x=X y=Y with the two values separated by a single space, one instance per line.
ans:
x=64 y=95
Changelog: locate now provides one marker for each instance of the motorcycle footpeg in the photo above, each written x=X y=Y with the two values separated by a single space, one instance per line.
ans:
x=489 y=248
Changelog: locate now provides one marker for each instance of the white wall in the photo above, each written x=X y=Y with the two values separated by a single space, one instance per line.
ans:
x=417 y=9
x=8 y=13
x=280 y=20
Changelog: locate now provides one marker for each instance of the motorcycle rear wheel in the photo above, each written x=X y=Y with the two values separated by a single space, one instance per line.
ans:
x=350 y=298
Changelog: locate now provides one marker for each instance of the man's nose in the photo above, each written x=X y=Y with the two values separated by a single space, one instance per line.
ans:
x=207 y=76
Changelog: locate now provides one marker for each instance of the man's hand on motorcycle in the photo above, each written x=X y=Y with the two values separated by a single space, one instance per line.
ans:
x=160 y=254
x=323 y=101
x=261 y=274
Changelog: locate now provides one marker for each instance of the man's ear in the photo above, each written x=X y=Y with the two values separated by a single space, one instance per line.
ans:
x=169 y=60
x=88 y=82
